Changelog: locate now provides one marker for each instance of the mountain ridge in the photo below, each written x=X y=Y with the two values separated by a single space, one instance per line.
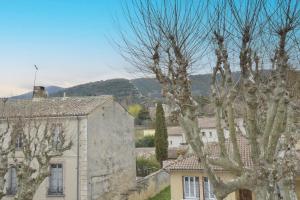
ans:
x=128 y=91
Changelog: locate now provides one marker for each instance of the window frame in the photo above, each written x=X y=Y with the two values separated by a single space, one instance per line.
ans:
x=50 y=191
x=56 y=132
x=190 y=196
x=10 y=190
x=19 y=142
x=210 y=190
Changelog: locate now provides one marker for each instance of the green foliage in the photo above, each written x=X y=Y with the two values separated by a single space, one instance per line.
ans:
x=163 y=195
x=134 y=110
x=147 y=141
x=161 y=135
x=143 y=117
x=146 y=165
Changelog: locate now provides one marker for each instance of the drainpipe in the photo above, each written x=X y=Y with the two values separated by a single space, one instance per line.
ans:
x=78 y=145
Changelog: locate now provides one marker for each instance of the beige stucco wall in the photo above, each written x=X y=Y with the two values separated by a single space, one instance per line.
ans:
x=111 y=152
x=69 y=160
x=106 y=155
x=177 y=187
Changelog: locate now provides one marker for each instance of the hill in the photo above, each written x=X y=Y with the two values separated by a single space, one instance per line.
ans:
x=150 y=87
x=129 y=91
x=124 y=91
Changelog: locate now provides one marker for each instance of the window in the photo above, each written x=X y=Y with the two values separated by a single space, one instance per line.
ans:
x=19 y=142
x=57 y=135
x=210 y=134
x=191 y=188
x=208 y=190
x=17 y=136
x=203 y=133
x=170 y=142
x=12 y=181
x=56 y=180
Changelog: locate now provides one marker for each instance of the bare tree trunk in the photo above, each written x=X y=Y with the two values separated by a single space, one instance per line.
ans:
x=168 y=44
x=40 y=145
x=3 y=170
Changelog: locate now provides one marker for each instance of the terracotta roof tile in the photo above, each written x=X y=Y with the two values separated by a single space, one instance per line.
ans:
x=175 y=130
x=191 y=162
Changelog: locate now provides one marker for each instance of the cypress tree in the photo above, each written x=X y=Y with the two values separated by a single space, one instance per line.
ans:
x=161 y=135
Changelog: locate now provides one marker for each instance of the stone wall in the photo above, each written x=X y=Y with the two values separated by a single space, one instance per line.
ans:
x=149 y=186
x=111 y=152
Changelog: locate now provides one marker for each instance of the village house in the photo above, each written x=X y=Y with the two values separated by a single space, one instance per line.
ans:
x=176 y=136
x=188 y=180
x=101 y=160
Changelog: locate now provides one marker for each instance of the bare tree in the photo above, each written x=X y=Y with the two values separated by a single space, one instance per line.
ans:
x=171 y=37
x=5 y=150
x=35 y=142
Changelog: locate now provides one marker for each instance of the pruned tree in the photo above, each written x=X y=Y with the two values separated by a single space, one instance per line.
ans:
x=5 y=150
x=35 y=141
x=161 y=135
x=169 y=39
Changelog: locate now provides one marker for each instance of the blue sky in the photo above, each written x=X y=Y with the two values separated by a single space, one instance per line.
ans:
x=69 y=40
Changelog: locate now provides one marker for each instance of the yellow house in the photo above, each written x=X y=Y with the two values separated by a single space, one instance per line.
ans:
x=188 y=180
x=149 y=132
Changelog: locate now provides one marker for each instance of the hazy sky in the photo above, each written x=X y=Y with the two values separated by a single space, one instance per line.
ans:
x=69 y=40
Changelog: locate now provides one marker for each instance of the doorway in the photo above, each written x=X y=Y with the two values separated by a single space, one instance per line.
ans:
x=245 y=195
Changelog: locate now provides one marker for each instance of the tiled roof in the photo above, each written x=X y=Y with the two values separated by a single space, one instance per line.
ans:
x=207 y=122
x=191 y=162
x=210 y=122
x=173 y=152
x=51 y=107
x=175 y=130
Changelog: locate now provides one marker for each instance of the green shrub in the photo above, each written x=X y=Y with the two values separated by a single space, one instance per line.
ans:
x=147 y=141
x=146 y=165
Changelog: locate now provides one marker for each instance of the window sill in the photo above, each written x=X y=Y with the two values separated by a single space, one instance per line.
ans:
x=10 y=195
x=192 y=198
x=56 y=195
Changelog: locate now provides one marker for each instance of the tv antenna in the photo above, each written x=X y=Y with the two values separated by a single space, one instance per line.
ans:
x=36 y=69
x=35 y=73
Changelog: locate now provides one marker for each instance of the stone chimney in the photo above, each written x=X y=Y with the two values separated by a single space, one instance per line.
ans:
x=39 y=92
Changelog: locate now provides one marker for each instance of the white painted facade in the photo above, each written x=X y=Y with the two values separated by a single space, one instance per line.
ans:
x=176 y=136
x=175 y=141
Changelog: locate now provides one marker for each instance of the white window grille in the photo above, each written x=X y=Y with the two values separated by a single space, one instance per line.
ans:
x=57 y=136
x=208 y=189
x=19 y=142
x=56 y=180
x=191 y=188
x=12 y=182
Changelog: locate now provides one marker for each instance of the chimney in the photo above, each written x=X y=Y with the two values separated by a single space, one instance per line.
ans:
x=39 y=92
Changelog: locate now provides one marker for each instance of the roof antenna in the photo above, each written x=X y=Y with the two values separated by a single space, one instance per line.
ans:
x=36 y=69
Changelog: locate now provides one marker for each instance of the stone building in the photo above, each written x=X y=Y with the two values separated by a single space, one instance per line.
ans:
x=101 y=161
